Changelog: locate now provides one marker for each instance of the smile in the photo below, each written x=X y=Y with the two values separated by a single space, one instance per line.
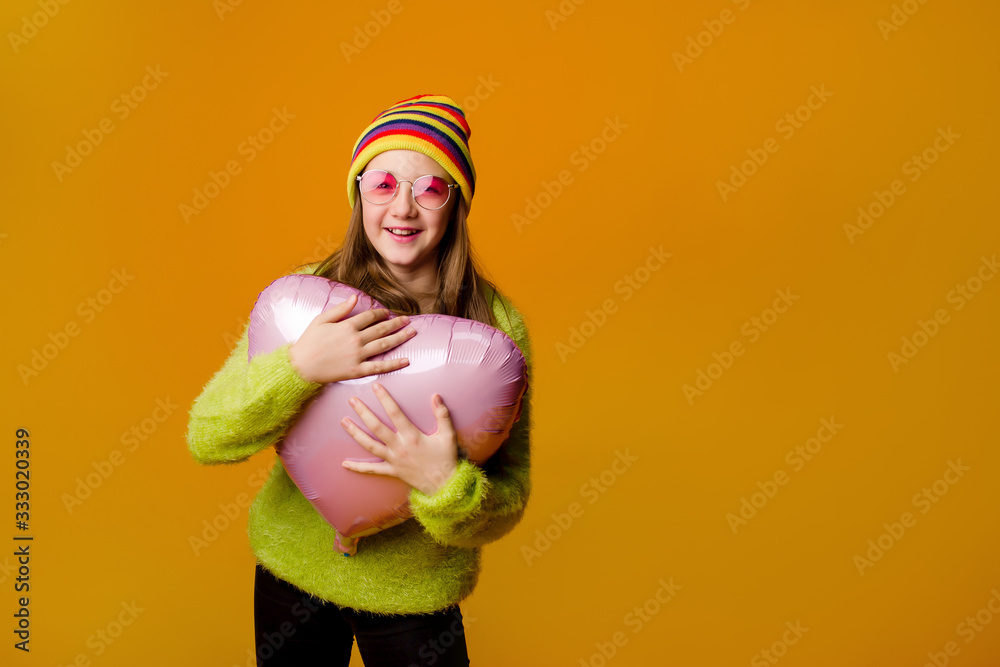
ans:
x=404 y=236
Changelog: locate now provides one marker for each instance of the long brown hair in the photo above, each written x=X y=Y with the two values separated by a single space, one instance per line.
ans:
x=461 y=290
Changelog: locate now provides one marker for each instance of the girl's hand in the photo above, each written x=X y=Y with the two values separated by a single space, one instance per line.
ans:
x=425 y=462
x=330 y=350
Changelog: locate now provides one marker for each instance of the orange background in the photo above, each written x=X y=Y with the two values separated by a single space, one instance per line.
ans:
x=535 y=91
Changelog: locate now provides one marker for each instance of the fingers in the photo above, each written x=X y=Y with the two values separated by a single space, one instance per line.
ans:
x=339 y=311
x=374 y=424
x=391 y=408
x=386 y=343
x=443 y=415
x=366 y=368
x=363 y=320
x=377 y=448
x=379 y=333
x=342 y=309
x=375 y=468
x=379 y=343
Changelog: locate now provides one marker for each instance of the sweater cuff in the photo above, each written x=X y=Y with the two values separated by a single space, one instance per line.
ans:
x=457 y=498
x=290 y=389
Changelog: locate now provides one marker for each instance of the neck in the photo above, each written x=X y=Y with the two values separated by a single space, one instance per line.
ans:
x=418 y=282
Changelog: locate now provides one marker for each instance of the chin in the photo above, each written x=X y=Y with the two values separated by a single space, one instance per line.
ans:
x=401 y=259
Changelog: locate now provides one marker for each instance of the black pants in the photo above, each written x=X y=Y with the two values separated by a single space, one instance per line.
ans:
x=292 y=628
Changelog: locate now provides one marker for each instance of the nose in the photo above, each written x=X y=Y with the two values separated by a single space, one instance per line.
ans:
x=402 y=205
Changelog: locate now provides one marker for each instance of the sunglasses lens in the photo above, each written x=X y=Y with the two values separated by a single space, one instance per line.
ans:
x=377 y=186
x=431 y=191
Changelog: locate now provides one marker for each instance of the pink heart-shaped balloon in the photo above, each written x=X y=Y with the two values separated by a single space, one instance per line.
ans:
x=477 y=369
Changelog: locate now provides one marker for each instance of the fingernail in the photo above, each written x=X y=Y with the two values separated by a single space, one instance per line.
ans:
x=377 y=387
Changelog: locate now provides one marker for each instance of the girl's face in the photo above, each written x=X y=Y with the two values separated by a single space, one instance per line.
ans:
x=407 y=253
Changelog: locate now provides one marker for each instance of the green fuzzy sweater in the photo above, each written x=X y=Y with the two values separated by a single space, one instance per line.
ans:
x=422 y=565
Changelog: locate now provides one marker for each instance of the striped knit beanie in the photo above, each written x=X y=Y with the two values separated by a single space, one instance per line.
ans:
x=430 y=124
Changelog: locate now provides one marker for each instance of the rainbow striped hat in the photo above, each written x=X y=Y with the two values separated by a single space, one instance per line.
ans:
x=430 y=124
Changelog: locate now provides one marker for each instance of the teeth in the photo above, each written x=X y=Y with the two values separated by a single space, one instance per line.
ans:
x=401 y=233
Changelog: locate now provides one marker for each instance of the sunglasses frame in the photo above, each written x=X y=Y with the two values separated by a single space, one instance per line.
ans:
x=396 y=190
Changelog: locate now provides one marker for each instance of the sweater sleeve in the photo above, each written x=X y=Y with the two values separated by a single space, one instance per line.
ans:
x=246 y=406
x=478 y=505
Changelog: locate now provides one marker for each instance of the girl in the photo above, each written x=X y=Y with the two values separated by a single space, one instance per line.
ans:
x=410 y=184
